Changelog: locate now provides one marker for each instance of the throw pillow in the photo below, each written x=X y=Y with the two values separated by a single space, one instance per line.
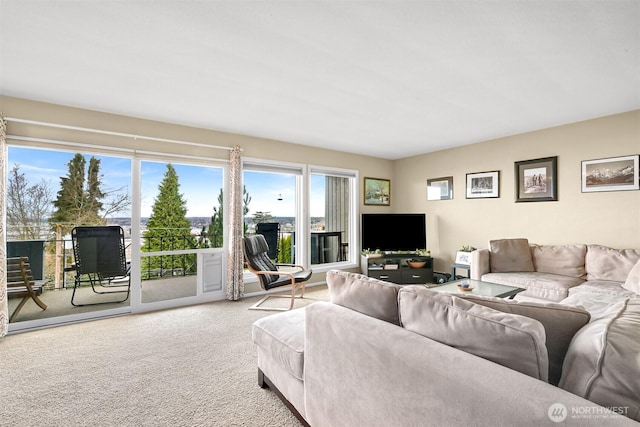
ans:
x=633 y=279
x=363 y=294
x=565 y=260
x=561 y=322
x=510 y=340
x=604 y=263
x=510 y=255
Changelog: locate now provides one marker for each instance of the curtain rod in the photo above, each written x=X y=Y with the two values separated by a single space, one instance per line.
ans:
x=101 y=148
x=112 y=133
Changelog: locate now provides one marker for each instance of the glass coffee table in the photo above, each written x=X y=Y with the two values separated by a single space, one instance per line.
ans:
x=477 y=287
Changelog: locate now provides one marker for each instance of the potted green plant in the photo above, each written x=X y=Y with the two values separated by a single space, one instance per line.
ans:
x=371 y=254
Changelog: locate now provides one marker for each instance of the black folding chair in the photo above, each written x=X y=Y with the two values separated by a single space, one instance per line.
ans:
x=271 y=233
x=100 y=260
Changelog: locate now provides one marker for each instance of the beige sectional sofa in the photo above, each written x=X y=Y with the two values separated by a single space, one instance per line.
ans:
x=553 y=272
x=381 y=354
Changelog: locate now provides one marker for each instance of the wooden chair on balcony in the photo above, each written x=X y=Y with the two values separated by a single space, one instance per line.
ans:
x=20 y=283
x=270 y=275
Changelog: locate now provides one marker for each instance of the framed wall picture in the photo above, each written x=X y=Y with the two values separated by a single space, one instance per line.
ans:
x=463 y=258
x=377 y=191
x=483 y=185
x=612 y=174
x=440 y=188
x=537 y=180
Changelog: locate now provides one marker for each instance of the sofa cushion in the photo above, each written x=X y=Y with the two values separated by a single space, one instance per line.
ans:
x=510 y=255
x=596 y=298
x=633 y=279
x=551 y=287
x=603 y=263
x=366 y=295
x=511 y=340
x=602 y=363
x=560 y=323
x=282 y=336
x=565 y=260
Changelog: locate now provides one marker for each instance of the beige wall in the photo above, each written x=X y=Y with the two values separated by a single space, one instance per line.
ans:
x=608 y=218
x=611 y=218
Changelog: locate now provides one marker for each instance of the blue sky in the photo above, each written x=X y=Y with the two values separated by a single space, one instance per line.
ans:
x=199 y=185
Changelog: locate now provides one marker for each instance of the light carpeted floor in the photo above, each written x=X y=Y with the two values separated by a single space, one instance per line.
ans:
x=189 y=366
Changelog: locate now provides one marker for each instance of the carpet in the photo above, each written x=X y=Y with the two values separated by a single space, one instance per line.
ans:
x=188 y=366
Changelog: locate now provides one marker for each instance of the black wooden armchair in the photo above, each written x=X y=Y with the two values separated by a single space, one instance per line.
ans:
x=270 y=276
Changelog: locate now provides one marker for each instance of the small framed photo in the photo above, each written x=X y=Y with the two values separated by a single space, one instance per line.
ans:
x=483 y=185
x=463 y=258
x=537 y=180
x=377 y=191
x=612 y=174
x=440 y=188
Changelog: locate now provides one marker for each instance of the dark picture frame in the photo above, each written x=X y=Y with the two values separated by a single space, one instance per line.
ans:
x=483 y=185
x=377 y=191
x=537 y=180
x=611 y=174
x=440 y=188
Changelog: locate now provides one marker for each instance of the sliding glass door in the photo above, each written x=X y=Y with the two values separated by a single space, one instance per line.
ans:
x=171 y=212
x=181 y=231
x=49 y=193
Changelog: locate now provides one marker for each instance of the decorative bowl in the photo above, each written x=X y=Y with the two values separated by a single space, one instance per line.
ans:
x=416 y=264
x=465 y=289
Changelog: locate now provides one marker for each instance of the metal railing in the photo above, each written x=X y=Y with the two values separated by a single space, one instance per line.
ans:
x=56 y=258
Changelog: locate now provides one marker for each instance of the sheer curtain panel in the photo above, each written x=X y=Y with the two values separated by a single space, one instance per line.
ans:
x=4 y=303
x=235 y=285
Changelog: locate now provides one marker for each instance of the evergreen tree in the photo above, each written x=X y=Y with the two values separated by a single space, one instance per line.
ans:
x=261 y=217
x=168 y=227
x=94 y=192
x=245 y=209
x=75 y=204
x=212 y=236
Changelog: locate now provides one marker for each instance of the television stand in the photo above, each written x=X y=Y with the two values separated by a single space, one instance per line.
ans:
x=394 y=268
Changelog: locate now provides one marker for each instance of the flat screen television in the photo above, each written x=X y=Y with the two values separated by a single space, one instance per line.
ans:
x=394 y=232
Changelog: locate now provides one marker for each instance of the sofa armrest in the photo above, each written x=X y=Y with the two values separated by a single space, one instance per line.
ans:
x=363 y=371
x=480 y=263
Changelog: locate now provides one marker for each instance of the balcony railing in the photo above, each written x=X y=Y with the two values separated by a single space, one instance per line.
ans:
x=51 y=258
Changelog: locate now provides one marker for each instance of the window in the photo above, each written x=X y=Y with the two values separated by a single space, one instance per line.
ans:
x=276 y=194
x=180 y=217
x=272 y=205
x=332 y=202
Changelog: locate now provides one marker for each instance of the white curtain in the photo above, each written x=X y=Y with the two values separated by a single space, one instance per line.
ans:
x=235 y=285
x=4 y=303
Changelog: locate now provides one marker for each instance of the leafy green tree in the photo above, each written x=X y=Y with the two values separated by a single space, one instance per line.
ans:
x=284 y=250
x=168 y=228
x=28 y=206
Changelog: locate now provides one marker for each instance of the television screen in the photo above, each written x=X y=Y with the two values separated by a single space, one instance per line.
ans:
x=394 y=232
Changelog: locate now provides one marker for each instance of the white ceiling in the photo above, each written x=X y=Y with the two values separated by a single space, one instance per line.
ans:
x=386 y=78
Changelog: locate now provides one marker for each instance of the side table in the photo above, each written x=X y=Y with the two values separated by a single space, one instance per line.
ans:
x=454 y=266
